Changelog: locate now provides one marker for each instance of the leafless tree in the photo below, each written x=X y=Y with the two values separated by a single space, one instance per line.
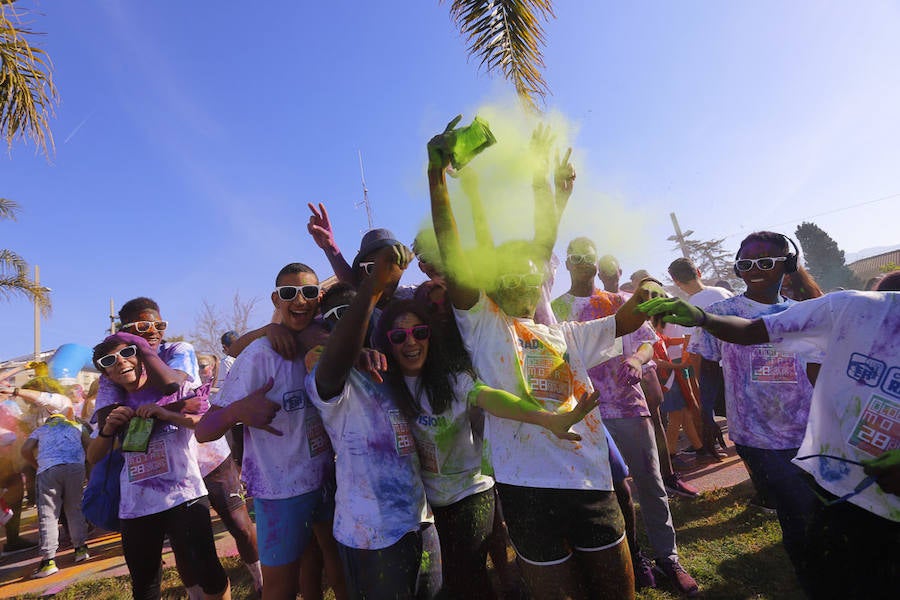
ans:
x=211 y=323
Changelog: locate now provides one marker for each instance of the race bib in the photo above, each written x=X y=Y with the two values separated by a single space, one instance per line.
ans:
x=147 y=465
x=878 y=427
x=403 y=438
x=316 y=436
x=428 y=459
x=768 y=365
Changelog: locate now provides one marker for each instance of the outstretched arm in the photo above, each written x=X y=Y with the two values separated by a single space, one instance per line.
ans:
x=348 y=337
x=319 y=228
x=630 y=317
x=527 y=410
x=457 y=269
x=735 y=330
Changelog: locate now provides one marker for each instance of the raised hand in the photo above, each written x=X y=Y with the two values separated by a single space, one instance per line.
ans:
x=131 y=339
x=673 y=310
x=563 y=179
x=541 y=141
x=258 y=411
x=319 y=227
x=440 y=147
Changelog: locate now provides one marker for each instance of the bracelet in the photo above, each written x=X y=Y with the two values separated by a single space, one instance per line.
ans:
x=100 y=433
x=15 y=393
x=702 y=322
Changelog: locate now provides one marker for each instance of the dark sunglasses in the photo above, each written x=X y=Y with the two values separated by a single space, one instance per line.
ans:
x=289 y=292
x=110 y=359
x=419 y=332
x=764 y=264
x=145 y=326
x=337 y=312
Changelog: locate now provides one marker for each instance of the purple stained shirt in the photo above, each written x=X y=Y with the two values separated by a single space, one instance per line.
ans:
x=767 y=393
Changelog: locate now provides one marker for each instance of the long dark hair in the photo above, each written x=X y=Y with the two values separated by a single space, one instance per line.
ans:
x=436 y=374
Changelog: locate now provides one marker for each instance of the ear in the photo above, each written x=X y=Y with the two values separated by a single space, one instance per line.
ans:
x=275 y=299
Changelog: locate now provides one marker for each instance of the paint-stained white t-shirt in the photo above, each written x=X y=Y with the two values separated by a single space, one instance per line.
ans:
x=519 y=355
x=855 y=412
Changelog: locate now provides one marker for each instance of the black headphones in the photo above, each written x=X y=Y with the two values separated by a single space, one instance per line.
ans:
x=790 y=265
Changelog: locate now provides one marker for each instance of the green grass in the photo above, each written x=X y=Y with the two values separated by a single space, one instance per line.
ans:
x=733 y=552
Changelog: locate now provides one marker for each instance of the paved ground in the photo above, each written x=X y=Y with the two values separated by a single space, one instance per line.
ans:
x=106 y=557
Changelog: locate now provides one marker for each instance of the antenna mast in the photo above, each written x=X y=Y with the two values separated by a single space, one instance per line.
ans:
x=365 y=200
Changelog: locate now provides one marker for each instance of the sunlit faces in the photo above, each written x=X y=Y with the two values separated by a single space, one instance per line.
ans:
x=762 y=283
x=127 y=370
x=518 y=290
x=296 y=314
x=412 y=352
x=153 y=335
x=581 y=260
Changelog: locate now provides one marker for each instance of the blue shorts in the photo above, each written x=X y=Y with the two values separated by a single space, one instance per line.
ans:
x=284 y=527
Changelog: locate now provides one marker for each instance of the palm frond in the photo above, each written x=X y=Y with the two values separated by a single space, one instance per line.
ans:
x=8 y=209
x=507 y=35
x=14 y=280
x=27 y=92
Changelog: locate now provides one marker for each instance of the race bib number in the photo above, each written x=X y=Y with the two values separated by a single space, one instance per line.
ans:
x=428 y=459
x=769 y=365
x=878 y=427
x=403 y=437
x=316 y=436
x=147 y=465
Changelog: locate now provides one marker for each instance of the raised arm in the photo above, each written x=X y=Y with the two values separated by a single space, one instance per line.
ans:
x=735 y=330
x=162 y=377
x=549 y=206
x=457 y=270
x=319 y=228
x=348 y=337
x=630 y=317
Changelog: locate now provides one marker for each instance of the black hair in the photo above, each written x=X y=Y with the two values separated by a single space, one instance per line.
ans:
x=291 y=268
x=136 y=306
x=102 y=349
x=436 y=372
x=890 y=282
x=767 y=237
x=683 y=270
x=341 y=289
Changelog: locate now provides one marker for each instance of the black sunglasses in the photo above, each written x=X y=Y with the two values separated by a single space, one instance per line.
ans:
x=289 y=292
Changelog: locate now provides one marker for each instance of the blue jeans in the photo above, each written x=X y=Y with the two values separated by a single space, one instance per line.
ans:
x=787 y=484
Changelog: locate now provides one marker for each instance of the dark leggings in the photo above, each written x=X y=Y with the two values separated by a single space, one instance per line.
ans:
x=464 y=528
x=389 y=573
x=190 y=533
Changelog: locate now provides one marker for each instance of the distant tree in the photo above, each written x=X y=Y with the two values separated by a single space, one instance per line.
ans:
x=211 y=323
x=715 y=263
x=889 y=268
x=27 y=92
x=15 y=278
x=824 y=259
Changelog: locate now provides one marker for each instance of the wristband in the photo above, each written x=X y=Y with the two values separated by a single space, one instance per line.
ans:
x=702 y=322
x=15 y=393
x=101 y=434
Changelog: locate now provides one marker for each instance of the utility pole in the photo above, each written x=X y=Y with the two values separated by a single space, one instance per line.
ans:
x=365 y=199
x=679 y=236
x=37 y=316
x=112 y=317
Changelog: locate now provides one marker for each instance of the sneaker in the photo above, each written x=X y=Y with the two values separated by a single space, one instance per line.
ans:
x=81 y=553
x=47 y=568
x=19 y=545
x=643 y=572
x=680 y=578
x=758 y=504
x=675 y=486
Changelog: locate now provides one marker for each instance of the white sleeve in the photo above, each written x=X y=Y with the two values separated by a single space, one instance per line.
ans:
x=250 y=371
x=804 y=328
x=596 y=340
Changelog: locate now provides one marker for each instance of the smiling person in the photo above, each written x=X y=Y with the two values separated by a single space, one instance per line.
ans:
x=288 y=461
x=162 y=491
x=767 y=393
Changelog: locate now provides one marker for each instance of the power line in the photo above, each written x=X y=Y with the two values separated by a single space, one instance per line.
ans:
x=882 y=199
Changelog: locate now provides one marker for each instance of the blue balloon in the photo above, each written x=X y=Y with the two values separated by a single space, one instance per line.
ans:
x=68 y=360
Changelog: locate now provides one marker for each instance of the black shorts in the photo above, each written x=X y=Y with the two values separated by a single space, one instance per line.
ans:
x=545 y=525
x=224 y=486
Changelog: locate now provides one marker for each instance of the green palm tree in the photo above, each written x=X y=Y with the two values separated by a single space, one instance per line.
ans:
x=507 y=35
x=14 y=277
x=27 y=93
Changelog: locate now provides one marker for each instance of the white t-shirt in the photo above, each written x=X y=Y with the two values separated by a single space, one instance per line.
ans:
x=167 y=474
x=855 y=412
x=449 y=450
x=701 y=299
x=279 y=466
x=554 y=359
x=767 y=393
x=380 y=496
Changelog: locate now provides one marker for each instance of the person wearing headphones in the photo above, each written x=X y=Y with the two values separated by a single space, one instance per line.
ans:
x=767 y=393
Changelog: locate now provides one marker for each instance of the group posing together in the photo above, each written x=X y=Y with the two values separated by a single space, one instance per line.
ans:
x=385 y=426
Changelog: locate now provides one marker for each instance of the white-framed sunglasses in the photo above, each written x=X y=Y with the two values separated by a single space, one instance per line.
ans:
x=581 y=259
x=368 y=267
x=289 y=292
x=528 y=280
x=337 y=312
x=145 y=326
x=764 y=264
x=110 y=359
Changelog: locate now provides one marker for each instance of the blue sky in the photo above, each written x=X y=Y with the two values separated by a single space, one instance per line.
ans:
x=190 y=138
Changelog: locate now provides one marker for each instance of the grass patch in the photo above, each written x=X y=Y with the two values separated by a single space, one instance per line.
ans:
x=733 y=552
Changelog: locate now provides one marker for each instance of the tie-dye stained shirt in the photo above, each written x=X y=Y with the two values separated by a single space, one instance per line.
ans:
x=279 y=466
x=450 y=451
x=59 y=443
x=767 y=393
x=551 y=362
x=855 y=412
x=380 y=496
x=617 y=400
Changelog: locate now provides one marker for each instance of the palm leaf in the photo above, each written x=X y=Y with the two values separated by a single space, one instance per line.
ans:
x=8 y=209
x=507 y=35
x=27 y=92
x=14 y=280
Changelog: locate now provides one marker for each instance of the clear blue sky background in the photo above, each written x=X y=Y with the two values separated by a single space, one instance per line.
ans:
x=191 y=136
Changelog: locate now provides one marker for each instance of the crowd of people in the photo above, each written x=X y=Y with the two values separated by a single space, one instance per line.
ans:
x=392 y=437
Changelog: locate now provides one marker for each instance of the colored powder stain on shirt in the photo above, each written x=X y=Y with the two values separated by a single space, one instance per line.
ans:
x=833 y=470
